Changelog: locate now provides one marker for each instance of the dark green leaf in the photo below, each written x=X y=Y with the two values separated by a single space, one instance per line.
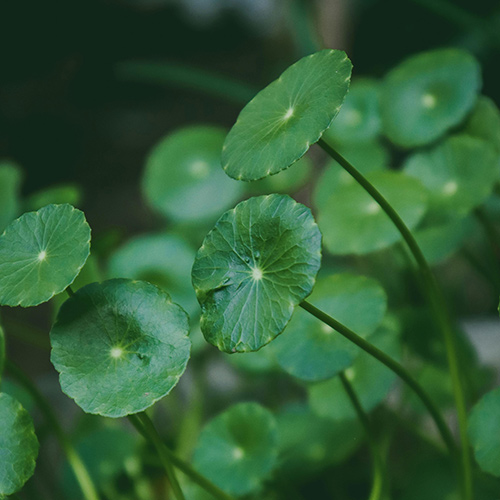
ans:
x=56 y=195
x=484 y=122
x=10 y=184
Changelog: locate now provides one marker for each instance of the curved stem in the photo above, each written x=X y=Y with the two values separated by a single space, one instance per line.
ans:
x=438 y=307
x=378 y=464
x=183 y=466
x=79 y=469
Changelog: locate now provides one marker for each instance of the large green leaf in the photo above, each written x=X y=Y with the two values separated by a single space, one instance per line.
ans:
x=183 y=179
x=18 y=445
x=427 y=94
x=237 y=450
x=10 y=184
x=483 y=432
x=311 y=350
x=41 y=254
x=279 y=124
x=253 y=268
x=459 y=173
x=119 y=346
x=370 y=379
x=352 y=222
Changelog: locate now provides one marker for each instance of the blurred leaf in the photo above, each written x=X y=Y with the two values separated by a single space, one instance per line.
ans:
x=484 y=122
x=57 y=195
x=10 y=185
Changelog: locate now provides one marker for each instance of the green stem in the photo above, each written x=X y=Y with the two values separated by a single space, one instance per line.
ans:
x=79 y=469
x=183 y=466
x=145 y=426
x=438 y=307
x=301 y=20
x=378 y=465
x=70 y=291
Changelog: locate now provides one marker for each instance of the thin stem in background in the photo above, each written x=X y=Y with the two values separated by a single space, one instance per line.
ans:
x=438 y=306
x=79 y=469
x=301 y=19
x=379 y=472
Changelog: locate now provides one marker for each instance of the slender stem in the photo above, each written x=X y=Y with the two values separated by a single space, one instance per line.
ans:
x=70 y=291
x=378 y=465
x=146 y=427
x=302 y=26
x=79 y=469
x=438 y=307
x=183 y=466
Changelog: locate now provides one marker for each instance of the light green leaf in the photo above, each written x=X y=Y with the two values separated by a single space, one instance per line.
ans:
x=311 y=350
x=41 y=254
x=18 y=445
x=459 y=173
x=484 y=122
x=279 y=124
x=56 y=195
x=237 y=450
x=427 y=94
x=10 y=185
x=183 y=179
x=483 y=432
x=119 y=346
x=254 y=267
x=353 y=223
x=370 y=379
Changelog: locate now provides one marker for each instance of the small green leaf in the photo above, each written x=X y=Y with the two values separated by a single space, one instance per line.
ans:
x=427 y=94
x=237 y=450
x=41 y=254
x=254 y=267
x=279 y=124
x=183 y=179
x=459 y=173
x=353 y=223
x=359 y=119
x=119 y=346
x=311 y=350
x=484 y=122
x=10 y=185
x=55 y=195
x=2 y=352
x=370 y=379
x=18 y=445
x=483 y=432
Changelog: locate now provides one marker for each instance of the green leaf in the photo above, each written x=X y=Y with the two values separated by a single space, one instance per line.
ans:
x=279 y=124
x=162 y=259
x=257 y=263
x=18 y=445
x=359 y=119
x=427 y=94
x=370 y=379
x=10 y=185
x=459 y=173
x=56 y=195
x=484 y=122
x=41 y=254
x=237 y=450
x=119 y=346
x=311 y=350
x=2 y=352
x=483 y=432
x=353 y=223
x=183 y=179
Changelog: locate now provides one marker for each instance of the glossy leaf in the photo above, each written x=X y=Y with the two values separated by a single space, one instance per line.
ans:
x=459 y=173
x=353 y=223
x=18 y=445
x=253 y=268
x=119 y=346
x=10 y=185
x=41 y=254
x=279 y=124
x=427 y=94
x=483 y=432
x=370 y=379
x=183 y=179
x=237 y=450
x=311 y=350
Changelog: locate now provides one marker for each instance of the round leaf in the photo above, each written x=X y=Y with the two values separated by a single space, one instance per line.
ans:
x=119 y=346
x=41 y=254
x=183 y=179
x=58 y=195
x=352 y=222
x=10 y=184
x=237 y=450
x=483 y=432
x=254 y=267
x=311 y=350
x=18 y=445
x=428 y=94
x=279 y=124
x=484 y=122
x=370 y=379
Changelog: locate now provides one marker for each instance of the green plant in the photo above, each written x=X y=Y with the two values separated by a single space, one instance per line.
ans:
x=122 y=344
